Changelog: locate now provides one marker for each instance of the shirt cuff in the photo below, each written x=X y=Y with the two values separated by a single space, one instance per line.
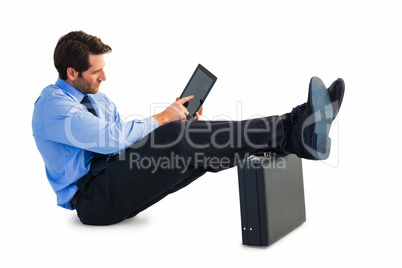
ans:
x=151 y=124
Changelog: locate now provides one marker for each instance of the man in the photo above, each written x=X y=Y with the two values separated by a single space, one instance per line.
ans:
x=110 y=170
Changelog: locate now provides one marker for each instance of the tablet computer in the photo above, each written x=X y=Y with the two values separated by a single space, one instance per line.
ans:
x=200 y=84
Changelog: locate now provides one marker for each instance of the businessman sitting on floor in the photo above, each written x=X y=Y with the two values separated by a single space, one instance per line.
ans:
x=110 y=170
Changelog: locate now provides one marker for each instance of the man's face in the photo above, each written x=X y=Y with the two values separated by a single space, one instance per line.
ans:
x=89 y=81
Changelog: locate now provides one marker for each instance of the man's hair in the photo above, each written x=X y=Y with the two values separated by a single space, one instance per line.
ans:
x=73 y=50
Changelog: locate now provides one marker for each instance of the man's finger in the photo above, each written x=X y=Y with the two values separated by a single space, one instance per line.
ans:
x=185 y=99
x=197 y=116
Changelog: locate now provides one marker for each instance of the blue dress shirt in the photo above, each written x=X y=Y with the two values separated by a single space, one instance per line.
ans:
x=67 y=134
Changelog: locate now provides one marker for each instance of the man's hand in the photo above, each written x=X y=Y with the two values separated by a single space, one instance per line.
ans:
x=197 y=114
x=176 y=111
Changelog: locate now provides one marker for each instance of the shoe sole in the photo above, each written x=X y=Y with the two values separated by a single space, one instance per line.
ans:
x=340 y=87
x=323 y=115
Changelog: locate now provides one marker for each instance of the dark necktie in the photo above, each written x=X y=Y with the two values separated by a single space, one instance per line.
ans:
x=99 y=161
x=88 y=104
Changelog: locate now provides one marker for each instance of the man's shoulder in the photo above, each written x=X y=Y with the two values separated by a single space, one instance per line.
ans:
x=54 y=92
x=54 y=101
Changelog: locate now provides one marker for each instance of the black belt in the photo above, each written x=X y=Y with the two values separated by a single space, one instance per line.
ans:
x=99 y=163
x=74 y=201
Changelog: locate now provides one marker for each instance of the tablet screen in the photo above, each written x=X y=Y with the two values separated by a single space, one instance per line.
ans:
x=199 y=85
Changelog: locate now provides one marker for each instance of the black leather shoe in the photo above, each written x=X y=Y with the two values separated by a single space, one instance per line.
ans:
x=312 y=121
x=336 y=92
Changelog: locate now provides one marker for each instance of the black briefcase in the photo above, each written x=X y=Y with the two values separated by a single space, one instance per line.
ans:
x=271 y=198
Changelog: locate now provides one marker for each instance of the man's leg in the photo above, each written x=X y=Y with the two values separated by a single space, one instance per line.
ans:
x=168 y=159
x=176 y=154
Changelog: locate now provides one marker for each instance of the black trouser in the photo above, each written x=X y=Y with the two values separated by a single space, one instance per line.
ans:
x=168 y=159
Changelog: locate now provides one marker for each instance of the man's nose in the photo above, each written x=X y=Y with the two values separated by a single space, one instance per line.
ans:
x=102 y=76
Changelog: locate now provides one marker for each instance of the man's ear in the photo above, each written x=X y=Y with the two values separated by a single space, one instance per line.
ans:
x=72 y=74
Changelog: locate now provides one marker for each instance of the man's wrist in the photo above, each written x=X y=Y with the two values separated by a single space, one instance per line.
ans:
x=161 y=118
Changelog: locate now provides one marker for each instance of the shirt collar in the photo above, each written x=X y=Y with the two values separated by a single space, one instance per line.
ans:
x=70 y=89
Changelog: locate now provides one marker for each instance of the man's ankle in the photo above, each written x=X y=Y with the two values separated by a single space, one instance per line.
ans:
x=287 y=141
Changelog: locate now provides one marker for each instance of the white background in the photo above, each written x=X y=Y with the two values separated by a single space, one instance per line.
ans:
x=264 y=53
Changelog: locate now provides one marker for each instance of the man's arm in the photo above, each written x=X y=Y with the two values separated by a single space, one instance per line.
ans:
x=70 y=123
